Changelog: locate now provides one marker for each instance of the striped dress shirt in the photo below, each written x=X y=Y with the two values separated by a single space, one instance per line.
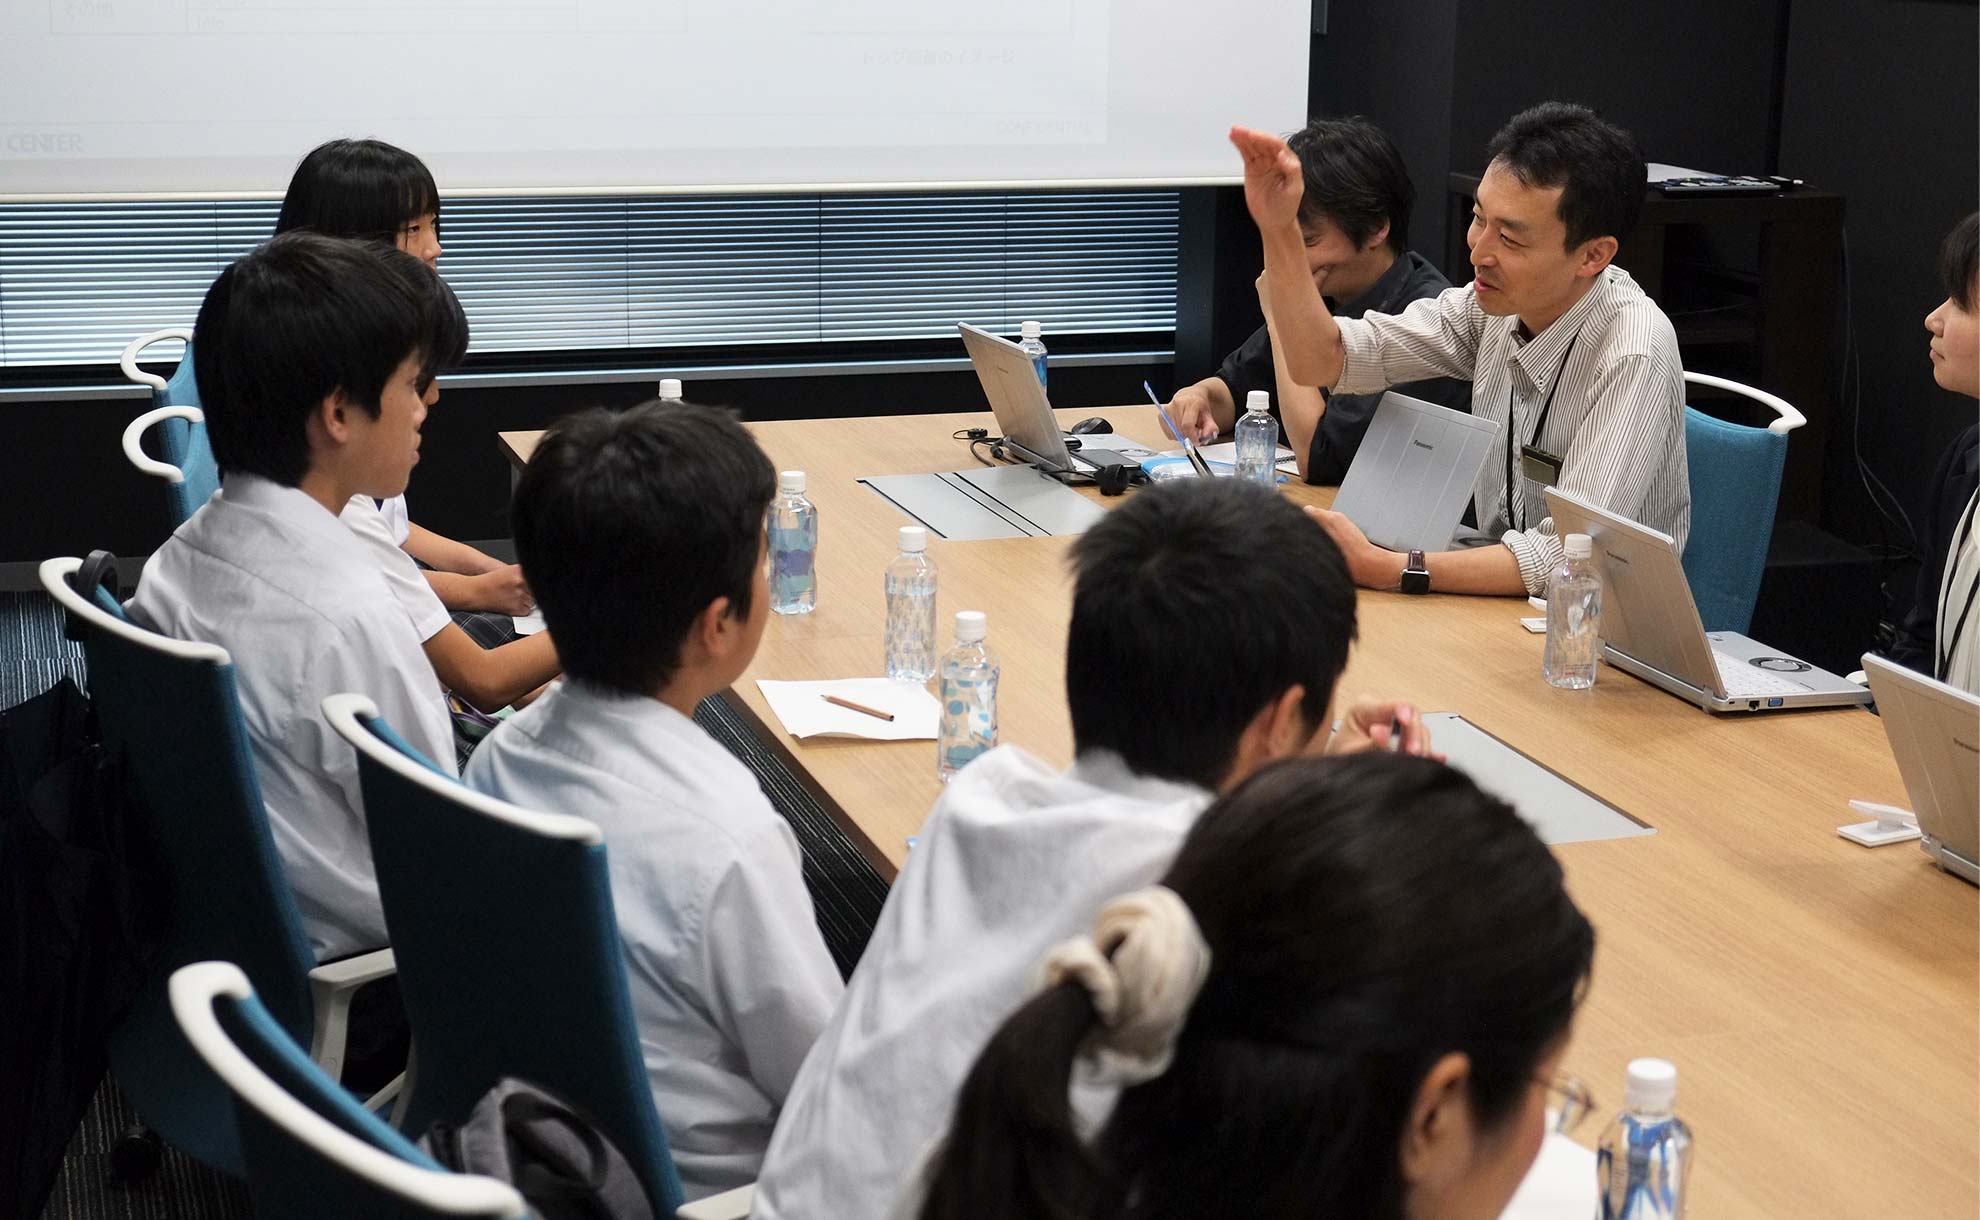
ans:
x=1616 y=419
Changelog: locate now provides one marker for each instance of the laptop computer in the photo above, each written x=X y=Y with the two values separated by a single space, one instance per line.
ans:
x=1024 y=415
x=1413 y=474
x=1934 y=731
x=1650 y=625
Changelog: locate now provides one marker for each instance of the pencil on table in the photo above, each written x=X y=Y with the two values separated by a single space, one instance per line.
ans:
x=874 y=712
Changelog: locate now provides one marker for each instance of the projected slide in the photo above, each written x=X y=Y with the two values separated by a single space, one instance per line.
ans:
x=210 y=96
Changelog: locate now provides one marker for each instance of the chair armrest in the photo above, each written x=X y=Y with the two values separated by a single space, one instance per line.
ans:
x=331 y=986
x=729 y=1205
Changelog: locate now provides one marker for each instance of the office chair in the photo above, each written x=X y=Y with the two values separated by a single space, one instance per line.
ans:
x=1735 y=489
x=310 y=1150
x=190 y=474
x=169 y=709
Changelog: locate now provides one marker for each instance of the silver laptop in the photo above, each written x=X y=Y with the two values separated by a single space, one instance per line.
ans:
x=1024 y=415
x=1413 y=474
x=1650 y=625
x=1935 y=733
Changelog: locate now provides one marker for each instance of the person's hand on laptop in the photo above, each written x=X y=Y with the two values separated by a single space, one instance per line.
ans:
x=1192 y=410
x=1380 y=724
x=1371 y=566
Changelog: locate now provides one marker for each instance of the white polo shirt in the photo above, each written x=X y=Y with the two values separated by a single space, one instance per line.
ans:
x=730 y=979
x=1014 y=858
x=366 y=518
x=299 y=602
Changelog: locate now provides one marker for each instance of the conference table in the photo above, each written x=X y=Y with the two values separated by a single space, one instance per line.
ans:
x=1821 y=1000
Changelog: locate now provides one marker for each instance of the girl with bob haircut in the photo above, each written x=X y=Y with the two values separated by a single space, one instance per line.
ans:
x=1348 y=998
x=369 y=190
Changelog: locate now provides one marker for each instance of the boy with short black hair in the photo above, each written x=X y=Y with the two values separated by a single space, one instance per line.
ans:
x=642 y=536
x=1197 y=653
x=311 y=354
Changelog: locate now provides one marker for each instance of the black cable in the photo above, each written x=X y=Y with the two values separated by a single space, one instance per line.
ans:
x=1850 y=389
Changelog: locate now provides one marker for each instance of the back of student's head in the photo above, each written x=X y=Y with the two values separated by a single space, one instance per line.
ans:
x=1959 y=262
x=302 y=317
x=1597 y=165
x=1195 y=604
x=358 y=188
x=1365 y=917
x=1356 y=178
x=628 y=525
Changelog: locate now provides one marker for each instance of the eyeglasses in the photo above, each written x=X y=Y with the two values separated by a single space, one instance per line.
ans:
x=1571 y=1104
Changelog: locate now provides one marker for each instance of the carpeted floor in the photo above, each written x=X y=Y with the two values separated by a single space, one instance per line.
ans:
x=846 y=894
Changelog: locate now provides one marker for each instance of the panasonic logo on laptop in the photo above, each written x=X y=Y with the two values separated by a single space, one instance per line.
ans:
x=1615 y=558
x=1424 y=445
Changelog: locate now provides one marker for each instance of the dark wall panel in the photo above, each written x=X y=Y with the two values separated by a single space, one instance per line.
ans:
x=1882 y=106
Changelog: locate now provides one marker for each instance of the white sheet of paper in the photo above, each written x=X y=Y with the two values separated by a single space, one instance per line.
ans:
x=1659 y=172
x=1560 y=1186
x=529 y=624
x=802 y=708
x=1226 y=452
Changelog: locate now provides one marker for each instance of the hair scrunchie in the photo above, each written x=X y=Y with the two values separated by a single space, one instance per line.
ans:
x=1143 y=965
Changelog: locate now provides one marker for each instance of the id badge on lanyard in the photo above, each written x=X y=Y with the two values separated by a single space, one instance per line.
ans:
x=1538 y=470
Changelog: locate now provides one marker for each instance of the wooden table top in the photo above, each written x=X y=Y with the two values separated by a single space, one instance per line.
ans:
x=1821 y=1000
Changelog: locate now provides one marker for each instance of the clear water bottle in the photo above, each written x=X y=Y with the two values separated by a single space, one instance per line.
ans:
x=1644 y=1160
x=670 y=389
x=969 y=697
x=1574 y=618
x=1034 y=346
x=911 y=609
x=1258 y=440
x=793 y=547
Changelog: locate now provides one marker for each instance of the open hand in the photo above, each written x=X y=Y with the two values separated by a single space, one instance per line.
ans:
x=1273 y=181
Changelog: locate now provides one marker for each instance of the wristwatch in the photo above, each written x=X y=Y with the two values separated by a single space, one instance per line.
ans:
x=1416 y=575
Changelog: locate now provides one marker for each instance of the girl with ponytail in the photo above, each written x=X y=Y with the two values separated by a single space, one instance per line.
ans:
x=1347 y=999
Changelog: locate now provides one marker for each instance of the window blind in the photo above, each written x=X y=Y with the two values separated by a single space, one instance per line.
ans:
x=613 y=273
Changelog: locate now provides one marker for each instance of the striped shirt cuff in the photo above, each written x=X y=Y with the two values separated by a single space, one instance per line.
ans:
x=1538 y=555
x=1361 y=359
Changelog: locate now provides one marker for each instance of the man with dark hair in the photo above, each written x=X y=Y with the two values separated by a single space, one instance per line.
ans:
x=311 y=354
x=641 y=534
x=1354 y=221
x=1578 y=367
x=1938 y=633
x=1017 y=856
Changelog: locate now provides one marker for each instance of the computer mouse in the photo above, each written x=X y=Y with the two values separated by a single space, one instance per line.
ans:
x=1087 y=427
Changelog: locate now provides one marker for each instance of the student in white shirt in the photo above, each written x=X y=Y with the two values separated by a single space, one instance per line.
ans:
x=1197 y=652
x=1349 y=997
x=309 y=352
x=1575 y=363
x=642 y=535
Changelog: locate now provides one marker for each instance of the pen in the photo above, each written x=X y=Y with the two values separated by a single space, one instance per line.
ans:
x=1395 y=733
x=1168 y=423
x=874 y=712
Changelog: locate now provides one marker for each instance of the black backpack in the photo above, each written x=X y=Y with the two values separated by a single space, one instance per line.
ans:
x=560 y=1163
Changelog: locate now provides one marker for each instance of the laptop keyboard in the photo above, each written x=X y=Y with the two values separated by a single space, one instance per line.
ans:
x=1741 y=679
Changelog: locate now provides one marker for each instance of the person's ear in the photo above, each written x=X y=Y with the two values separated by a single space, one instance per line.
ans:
x=1289 y=731
x=720 y=627
x=1437 y=1142
x=1379 y=237
x=328 y=425
x=1596 y=254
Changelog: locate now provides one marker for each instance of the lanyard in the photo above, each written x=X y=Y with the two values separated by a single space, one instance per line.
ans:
x=1546 y=405
x=1952 y=563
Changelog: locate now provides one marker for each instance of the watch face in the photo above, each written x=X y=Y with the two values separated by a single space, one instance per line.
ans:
x=1416 y=582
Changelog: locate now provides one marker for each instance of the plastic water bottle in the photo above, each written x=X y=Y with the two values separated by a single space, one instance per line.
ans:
x=1574 y=619
x=793 y=547
x=969 y=697
x=911 y=609
x=670 y=389
x=1644 y=1159
x=1258 y=440
x=1034 y=346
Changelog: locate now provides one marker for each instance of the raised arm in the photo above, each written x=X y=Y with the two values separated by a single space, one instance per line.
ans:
x=1273 y=185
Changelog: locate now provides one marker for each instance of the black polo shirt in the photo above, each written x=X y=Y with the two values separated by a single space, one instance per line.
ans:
x=1409 y=278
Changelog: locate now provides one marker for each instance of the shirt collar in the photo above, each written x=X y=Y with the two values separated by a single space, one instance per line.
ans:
x=1541 y=356
x=289 y=504
x=1381 y=295
x=633 y=722
x=1109 y=772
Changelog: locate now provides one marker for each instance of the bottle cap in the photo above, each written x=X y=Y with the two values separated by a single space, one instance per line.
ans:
x=670 y=387
x=1031 y=330
x=1652 y=1085
x=1257 y=400
x=914 y=538
x=1578 y=546
x=791 y=481
x=971 y=626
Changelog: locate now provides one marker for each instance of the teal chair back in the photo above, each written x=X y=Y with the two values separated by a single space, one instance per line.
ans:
x=508 y=949
x=185 y=458
x=168 y=709
x=312 y=1151
x=1735 y=489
